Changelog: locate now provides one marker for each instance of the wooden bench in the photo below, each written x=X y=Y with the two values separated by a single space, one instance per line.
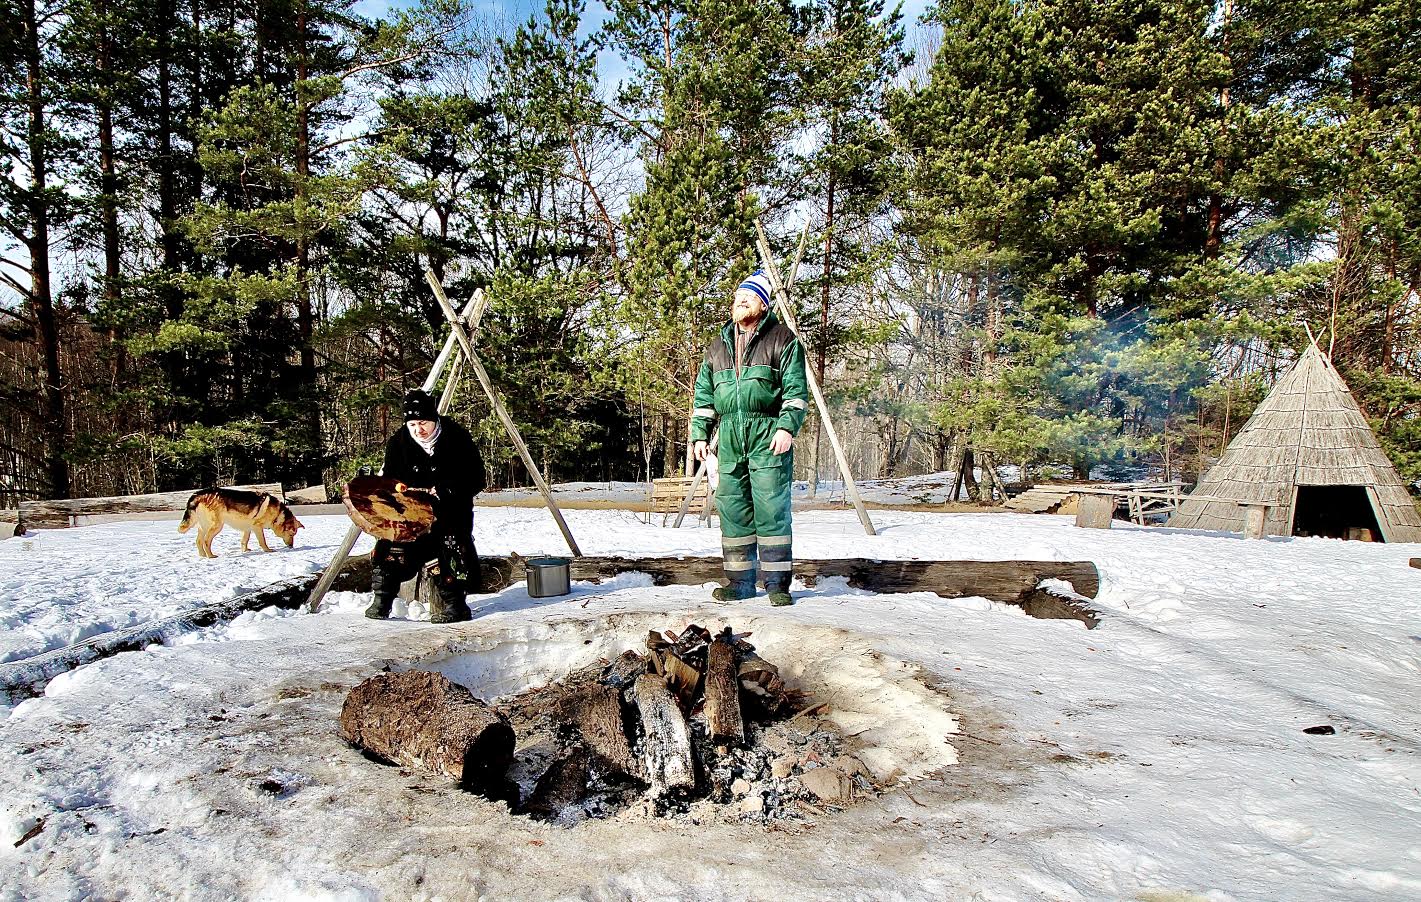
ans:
x=668 y=493
x=1142 y=501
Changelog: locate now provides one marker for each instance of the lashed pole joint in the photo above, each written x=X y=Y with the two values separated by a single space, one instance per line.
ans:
x=499 y=410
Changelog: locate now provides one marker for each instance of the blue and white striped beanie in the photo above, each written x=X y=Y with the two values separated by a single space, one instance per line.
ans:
x=759 y=283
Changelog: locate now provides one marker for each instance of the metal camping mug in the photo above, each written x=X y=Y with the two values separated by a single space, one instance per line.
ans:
x=548 y=576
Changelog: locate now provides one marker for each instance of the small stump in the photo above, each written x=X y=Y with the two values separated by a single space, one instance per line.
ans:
x=1095 y=511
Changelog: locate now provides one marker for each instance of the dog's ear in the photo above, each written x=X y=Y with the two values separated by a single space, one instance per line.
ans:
x=297 y=524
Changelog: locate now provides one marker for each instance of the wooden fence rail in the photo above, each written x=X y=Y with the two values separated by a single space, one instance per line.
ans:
x=62 y=513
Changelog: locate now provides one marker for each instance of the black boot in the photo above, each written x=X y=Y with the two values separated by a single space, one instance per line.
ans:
x=449 y=605
x=380 y=608
x=387 y=572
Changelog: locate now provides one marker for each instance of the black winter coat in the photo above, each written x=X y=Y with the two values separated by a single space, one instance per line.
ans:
x=455 y=471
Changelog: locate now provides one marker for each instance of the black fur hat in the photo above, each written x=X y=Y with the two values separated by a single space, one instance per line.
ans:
x=420 y=406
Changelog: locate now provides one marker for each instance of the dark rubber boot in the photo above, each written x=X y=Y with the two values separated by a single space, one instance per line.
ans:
x=385 y=583
x=781 y=598
x=380 y=608
x=450 y=606
x=736 y=591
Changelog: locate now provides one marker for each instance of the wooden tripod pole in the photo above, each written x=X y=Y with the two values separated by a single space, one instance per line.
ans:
x=473 y=312
x=782 y=305
x=472 y=360
x=473 y=316
x=701 y=470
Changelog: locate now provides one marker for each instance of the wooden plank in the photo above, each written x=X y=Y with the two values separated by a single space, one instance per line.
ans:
x=1254 y=519
x=59 y=511
x=1095 y=511
x=1416 y=562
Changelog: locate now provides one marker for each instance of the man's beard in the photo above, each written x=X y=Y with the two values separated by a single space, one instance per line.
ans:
x=745 y=318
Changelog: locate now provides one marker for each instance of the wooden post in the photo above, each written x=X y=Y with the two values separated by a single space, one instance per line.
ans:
x=499 y=410
x=701 y=470
x=1254 y=518
x=473 y=312
x=1095 y=511
x=782 y=305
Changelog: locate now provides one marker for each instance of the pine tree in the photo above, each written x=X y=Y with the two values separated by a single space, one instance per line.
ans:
x=713 y=79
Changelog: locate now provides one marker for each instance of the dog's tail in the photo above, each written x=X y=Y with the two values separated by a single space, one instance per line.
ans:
x=187 y=514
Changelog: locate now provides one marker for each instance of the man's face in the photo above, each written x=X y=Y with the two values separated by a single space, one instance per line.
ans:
x=422 y=429
x=747 y=307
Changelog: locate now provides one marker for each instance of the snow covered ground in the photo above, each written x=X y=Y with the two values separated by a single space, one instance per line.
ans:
x=1159 y=757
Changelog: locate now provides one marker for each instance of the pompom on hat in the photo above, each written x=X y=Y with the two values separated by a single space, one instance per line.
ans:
x=758 y=283
x=420 y=405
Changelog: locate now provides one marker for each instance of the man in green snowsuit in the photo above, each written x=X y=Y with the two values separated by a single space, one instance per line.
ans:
x=753 y=381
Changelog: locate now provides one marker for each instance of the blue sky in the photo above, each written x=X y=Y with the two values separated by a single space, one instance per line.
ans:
x=611 y=70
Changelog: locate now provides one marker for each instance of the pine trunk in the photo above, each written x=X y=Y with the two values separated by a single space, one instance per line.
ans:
x=56 y=430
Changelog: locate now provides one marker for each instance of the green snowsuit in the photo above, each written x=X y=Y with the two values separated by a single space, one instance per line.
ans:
x=753 y=393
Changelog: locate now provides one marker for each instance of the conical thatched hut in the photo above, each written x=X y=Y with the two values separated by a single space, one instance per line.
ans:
x=1309 y=453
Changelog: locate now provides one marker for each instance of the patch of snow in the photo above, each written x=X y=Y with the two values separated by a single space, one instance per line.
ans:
x=1159 y=756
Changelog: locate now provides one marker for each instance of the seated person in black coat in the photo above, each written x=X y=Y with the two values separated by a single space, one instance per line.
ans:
x=432 y=452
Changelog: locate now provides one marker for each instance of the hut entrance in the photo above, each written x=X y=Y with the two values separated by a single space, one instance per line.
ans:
x=1335 y=511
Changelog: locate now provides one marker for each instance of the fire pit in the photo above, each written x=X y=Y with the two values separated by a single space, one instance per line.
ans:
x=689 y=723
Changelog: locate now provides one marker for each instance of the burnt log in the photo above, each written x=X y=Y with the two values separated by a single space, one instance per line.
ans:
x=422 y=719
x=623 y=671
x=722 y=709
x=762 y=681
x=596 y=713
x=681 y=676
x=562 y=785
x=666 y=743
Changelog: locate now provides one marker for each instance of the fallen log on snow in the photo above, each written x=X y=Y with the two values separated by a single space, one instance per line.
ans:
x=1010 y=582
x=422 y=719
x=62 y=512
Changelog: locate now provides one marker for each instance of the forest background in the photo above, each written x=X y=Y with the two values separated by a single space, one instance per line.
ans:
x=1050 y=233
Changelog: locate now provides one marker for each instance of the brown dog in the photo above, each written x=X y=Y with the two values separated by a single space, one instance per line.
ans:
x=247 y=511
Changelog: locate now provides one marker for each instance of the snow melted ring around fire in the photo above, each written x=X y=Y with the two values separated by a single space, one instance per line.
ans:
x=900 y=727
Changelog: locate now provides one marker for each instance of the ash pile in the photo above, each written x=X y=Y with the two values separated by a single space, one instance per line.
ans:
x=698 y=727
